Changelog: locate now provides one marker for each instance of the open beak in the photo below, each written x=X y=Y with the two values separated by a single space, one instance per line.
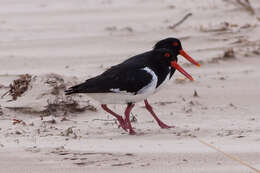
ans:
x=185 y=55
x=180 y=69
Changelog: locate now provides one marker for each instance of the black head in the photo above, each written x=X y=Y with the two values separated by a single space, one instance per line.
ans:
x=174 y=45
x=165 y=55
x=170 y=57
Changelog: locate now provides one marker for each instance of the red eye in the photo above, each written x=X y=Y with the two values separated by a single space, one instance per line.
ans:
x=175 y=43
x=167 y=55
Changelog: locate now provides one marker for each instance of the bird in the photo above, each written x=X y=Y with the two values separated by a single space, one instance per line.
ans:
x=135 y=79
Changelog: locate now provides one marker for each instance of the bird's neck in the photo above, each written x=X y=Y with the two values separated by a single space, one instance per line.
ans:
x=161 y=69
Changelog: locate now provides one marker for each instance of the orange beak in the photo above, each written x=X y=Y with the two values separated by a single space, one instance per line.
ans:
x=180 y=69
x=185 y=55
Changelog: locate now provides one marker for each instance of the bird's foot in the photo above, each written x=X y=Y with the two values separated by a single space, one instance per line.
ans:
x=127 y=126
x=165 y=126
x=132 y=132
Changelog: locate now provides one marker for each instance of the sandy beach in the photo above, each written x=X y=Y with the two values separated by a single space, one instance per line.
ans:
x=62 y=43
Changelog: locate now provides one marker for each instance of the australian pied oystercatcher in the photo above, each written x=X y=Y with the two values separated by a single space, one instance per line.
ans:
x=135 y=79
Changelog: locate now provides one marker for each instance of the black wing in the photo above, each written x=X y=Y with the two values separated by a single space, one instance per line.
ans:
x=116 y=78
x=126 y=76
x=138 y=61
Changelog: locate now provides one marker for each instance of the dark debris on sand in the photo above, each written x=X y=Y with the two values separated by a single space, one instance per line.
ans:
x=19 y=86
x=57 y=83
x=1 y=111
x=66 y=105
x=229 y=54
x=55 y=102
x=63 y=105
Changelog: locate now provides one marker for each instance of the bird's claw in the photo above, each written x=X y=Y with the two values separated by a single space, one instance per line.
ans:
x=132 y=132
x=165 y=126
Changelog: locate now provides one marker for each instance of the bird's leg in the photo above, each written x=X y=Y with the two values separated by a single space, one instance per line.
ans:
x=118 y=117
x=127 y=118
x=159 y=122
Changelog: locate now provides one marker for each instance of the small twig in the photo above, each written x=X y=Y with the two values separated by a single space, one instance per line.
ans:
x=133 y=118
x=181 y=21
x=7 y=92
x=246 y=5
x=229 y=156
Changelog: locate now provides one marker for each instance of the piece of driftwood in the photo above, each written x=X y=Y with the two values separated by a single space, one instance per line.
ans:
x=244 y=3
x=181 y=21
x=247 y=5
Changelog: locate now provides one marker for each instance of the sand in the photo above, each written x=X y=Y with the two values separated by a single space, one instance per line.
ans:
x=61 y=43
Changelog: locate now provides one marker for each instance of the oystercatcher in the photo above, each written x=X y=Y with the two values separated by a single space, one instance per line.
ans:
x=135 y=79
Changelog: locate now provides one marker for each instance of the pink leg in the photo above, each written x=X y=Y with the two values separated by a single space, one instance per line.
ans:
x=160 y=123
x=127 y=118
x=118 y=117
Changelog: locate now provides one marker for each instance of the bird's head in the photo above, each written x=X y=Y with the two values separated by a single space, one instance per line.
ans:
x=171 y=58
x=174 y=45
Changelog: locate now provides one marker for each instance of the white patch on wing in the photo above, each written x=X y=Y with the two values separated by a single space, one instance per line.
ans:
x=115 y=90
x=149 y=88
x=118 y=98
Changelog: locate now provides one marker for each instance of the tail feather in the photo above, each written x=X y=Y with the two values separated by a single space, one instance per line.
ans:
x=93 y=85
x=75 y=89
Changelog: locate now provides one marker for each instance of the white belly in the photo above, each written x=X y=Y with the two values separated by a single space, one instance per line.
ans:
x=118 y=98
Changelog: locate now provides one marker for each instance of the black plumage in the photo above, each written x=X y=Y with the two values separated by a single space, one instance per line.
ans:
x=129 y=75
x=135 y=79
